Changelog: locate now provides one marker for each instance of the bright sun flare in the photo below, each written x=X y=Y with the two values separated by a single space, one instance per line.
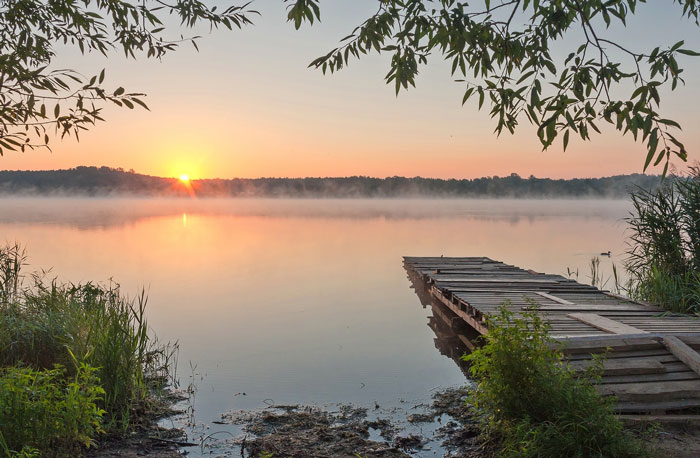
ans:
x=184 y=178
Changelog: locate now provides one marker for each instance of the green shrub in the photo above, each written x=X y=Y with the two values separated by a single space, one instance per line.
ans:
x=529 y=399
x=49 y=411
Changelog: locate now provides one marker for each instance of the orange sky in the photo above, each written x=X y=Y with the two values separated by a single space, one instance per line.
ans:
x=247 y=106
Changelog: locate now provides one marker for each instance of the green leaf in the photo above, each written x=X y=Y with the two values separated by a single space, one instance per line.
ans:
x=651 y=146
x=669 y=122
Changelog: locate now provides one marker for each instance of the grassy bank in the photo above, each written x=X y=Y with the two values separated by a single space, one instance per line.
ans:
x=76 y=362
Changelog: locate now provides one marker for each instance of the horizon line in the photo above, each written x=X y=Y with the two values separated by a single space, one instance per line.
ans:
x=511 y=175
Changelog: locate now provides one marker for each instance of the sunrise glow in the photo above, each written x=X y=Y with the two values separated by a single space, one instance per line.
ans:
x=185 y=178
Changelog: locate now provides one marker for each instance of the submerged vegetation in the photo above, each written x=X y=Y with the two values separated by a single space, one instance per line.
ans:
x=77 y=360
x=533 y=405
x=664 y=255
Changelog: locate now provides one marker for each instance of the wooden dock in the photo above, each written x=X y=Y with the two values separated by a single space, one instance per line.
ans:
x=652 y=365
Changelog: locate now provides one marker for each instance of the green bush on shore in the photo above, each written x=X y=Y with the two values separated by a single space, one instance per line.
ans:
x=64 y=341
x=47 y=409
x=531 y=402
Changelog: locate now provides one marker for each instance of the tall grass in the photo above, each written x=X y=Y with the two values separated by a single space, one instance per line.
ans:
x=533 y=404
x=12 y=258
x=664 y=245
x=44 y=323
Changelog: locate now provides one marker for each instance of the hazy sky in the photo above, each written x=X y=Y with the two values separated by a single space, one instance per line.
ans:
x=247 y=106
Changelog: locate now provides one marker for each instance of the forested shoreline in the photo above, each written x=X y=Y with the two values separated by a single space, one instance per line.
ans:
x=106 y=181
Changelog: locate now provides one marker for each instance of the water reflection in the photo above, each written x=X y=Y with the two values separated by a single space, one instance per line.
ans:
x=453 y=337
x=87 y=213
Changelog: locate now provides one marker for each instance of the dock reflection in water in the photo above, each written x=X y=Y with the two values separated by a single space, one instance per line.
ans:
x=453 y=337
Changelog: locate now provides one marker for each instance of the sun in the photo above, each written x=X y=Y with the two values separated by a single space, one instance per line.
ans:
x=186 y=184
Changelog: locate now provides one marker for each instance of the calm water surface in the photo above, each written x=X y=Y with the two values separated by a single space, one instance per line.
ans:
x=301 y=301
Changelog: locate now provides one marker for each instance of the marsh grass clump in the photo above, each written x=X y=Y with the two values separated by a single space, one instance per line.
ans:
x=58 y=333
x=664 y=253
x=531 y=403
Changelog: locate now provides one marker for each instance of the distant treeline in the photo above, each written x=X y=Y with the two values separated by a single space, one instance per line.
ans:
x=105 y=181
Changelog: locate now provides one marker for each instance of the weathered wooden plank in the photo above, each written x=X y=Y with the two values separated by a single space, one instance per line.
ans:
x=683 y=352
x=667 y=420
x=648 y=378
x=652 y=392
x=590 y=307
x=612 y=342
x=618 y=296
x=623 y=366
x=554 y=298
x=605 y=324
x=527 y=288
x=498 y=280
x=440 y=258
x=655 y=406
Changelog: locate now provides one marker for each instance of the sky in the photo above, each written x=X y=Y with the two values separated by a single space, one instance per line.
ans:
x=246 y=105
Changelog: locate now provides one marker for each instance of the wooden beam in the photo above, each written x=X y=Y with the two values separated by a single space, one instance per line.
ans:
x=554 y=298
x=467 y=343
x=478 y=326
x=683 y=352
x=605 y=324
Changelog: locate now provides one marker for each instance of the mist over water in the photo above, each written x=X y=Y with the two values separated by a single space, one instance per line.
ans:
x=106 y=212
x=301 y=301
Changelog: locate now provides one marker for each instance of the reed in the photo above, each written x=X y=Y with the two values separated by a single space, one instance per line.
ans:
x=664 y=245
x=44 y=324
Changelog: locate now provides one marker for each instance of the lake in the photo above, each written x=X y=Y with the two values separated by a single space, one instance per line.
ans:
x=301 y=301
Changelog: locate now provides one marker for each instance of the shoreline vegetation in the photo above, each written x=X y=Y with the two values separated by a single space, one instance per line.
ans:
x=79 y=368
x=106 y=181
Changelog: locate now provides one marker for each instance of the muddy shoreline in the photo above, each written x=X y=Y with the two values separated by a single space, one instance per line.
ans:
x=146 y=436
x=443 y=426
